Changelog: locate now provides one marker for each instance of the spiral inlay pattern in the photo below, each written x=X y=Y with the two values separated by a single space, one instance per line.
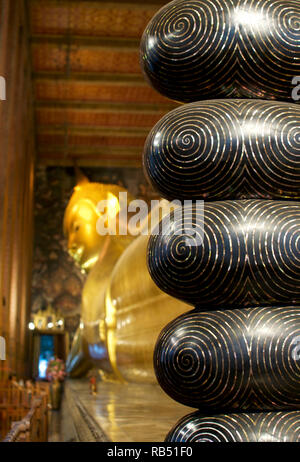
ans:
x=246 y=359
x=226 y=149
x=203 y=49
x=260 y=427
x=238 y=262
x=250 y=254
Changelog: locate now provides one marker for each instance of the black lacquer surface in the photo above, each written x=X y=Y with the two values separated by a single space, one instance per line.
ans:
x=272 y=427
x=247 y=253
x=238 y=263
x=226 y=149
x=205 y=49
x=232 y=360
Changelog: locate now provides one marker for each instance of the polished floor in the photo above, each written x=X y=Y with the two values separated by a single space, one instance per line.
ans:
x=126 y=413
x=54 y=433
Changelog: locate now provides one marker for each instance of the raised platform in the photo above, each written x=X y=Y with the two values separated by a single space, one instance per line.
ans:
x=119 y=413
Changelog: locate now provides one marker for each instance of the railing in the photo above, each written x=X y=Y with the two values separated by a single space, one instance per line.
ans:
x=23 y=414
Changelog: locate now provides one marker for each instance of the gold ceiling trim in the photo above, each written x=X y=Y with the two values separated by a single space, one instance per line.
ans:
x=108 y=3
x=107 y=106
x=95 y=77
x=107 y=43
x=88 y=131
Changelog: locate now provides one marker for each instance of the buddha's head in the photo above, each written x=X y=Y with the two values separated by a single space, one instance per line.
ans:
x=85 y=242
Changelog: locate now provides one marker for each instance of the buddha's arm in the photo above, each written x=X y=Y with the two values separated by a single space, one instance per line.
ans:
x=136 y=312
x=78 y=363
x=89 y=345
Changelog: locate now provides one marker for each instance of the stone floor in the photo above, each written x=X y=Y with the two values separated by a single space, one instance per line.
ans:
x=125 y=413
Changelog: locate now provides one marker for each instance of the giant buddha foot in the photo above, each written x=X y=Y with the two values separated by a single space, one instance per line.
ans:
x=235 y=357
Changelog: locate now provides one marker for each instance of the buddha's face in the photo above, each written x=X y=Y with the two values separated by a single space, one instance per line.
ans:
x=85 y=243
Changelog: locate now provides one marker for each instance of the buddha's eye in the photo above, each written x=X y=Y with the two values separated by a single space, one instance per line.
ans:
x=76 y=228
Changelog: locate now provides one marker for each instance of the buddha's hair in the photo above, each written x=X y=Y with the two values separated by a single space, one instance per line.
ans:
x=93 y=193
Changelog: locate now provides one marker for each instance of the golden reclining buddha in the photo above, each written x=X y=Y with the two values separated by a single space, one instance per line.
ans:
x=122 y=311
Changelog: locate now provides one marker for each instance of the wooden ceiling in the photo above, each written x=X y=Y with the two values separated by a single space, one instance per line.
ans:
x=92 y=103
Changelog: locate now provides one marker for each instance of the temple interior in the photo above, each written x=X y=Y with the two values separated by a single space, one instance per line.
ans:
x=76 y=101
x=108 y=334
